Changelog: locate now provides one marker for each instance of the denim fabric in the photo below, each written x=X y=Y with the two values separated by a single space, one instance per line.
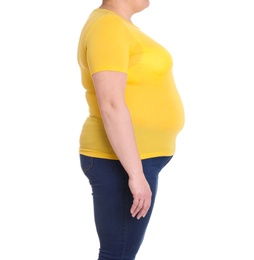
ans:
x=120 y=234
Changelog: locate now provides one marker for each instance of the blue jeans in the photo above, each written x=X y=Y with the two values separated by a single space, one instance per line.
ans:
x=120 y=234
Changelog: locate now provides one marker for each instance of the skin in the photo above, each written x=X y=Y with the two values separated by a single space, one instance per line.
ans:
x=125 y=8
x=110 y=87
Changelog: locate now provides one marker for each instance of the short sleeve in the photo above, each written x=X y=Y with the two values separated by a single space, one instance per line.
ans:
x=108 y=45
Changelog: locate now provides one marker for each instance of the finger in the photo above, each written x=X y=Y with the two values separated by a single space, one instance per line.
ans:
x=137 y=206
x=144 y=210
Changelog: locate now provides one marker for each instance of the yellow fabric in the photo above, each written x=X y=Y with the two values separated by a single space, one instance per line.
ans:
x=109 y=42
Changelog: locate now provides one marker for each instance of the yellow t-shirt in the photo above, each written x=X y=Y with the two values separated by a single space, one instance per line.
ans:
x=109 y=42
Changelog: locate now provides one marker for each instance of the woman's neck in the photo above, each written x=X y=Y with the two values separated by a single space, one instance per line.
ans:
x=118 y=8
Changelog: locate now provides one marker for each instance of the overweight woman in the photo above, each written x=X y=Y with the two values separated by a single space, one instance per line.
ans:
x=135 y=115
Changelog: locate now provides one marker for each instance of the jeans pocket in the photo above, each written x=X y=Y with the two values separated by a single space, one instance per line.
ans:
x=86 y=163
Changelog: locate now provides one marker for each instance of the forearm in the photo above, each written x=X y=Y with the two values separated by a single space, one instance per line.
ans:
x=118 y=126
x=110 y=88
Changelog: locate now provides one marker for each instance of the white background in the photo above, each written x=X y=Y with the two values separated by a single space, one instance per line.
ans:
x=205 y=200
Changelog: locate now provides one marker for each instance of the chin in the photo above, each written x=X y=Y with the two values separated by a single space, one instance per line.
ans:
x=146 y=4
x=143 y=4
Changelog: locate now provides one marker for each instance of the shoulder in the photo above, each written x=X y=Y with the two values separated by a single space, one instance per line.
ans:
x=101 y=18
x=104 y=25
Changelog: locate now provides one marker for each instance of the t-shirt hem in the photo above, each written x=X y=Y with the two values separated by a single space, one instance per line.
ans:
x=108 y=68
x=114 y=157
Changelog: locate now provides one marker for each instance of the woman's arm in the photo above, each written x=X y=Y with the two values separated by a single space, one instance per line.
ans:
x=110 y=88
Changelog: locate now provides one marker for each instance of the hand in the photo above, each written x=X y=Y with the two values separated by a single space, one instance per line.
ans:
x=142 y=196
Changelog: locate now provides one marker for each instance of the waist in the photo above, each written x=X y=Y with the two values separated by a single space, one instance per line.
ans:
x=151 y=140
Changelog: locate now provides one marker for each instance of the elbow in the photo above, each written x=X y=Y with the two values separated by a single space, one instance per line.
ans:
x=111 y=109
